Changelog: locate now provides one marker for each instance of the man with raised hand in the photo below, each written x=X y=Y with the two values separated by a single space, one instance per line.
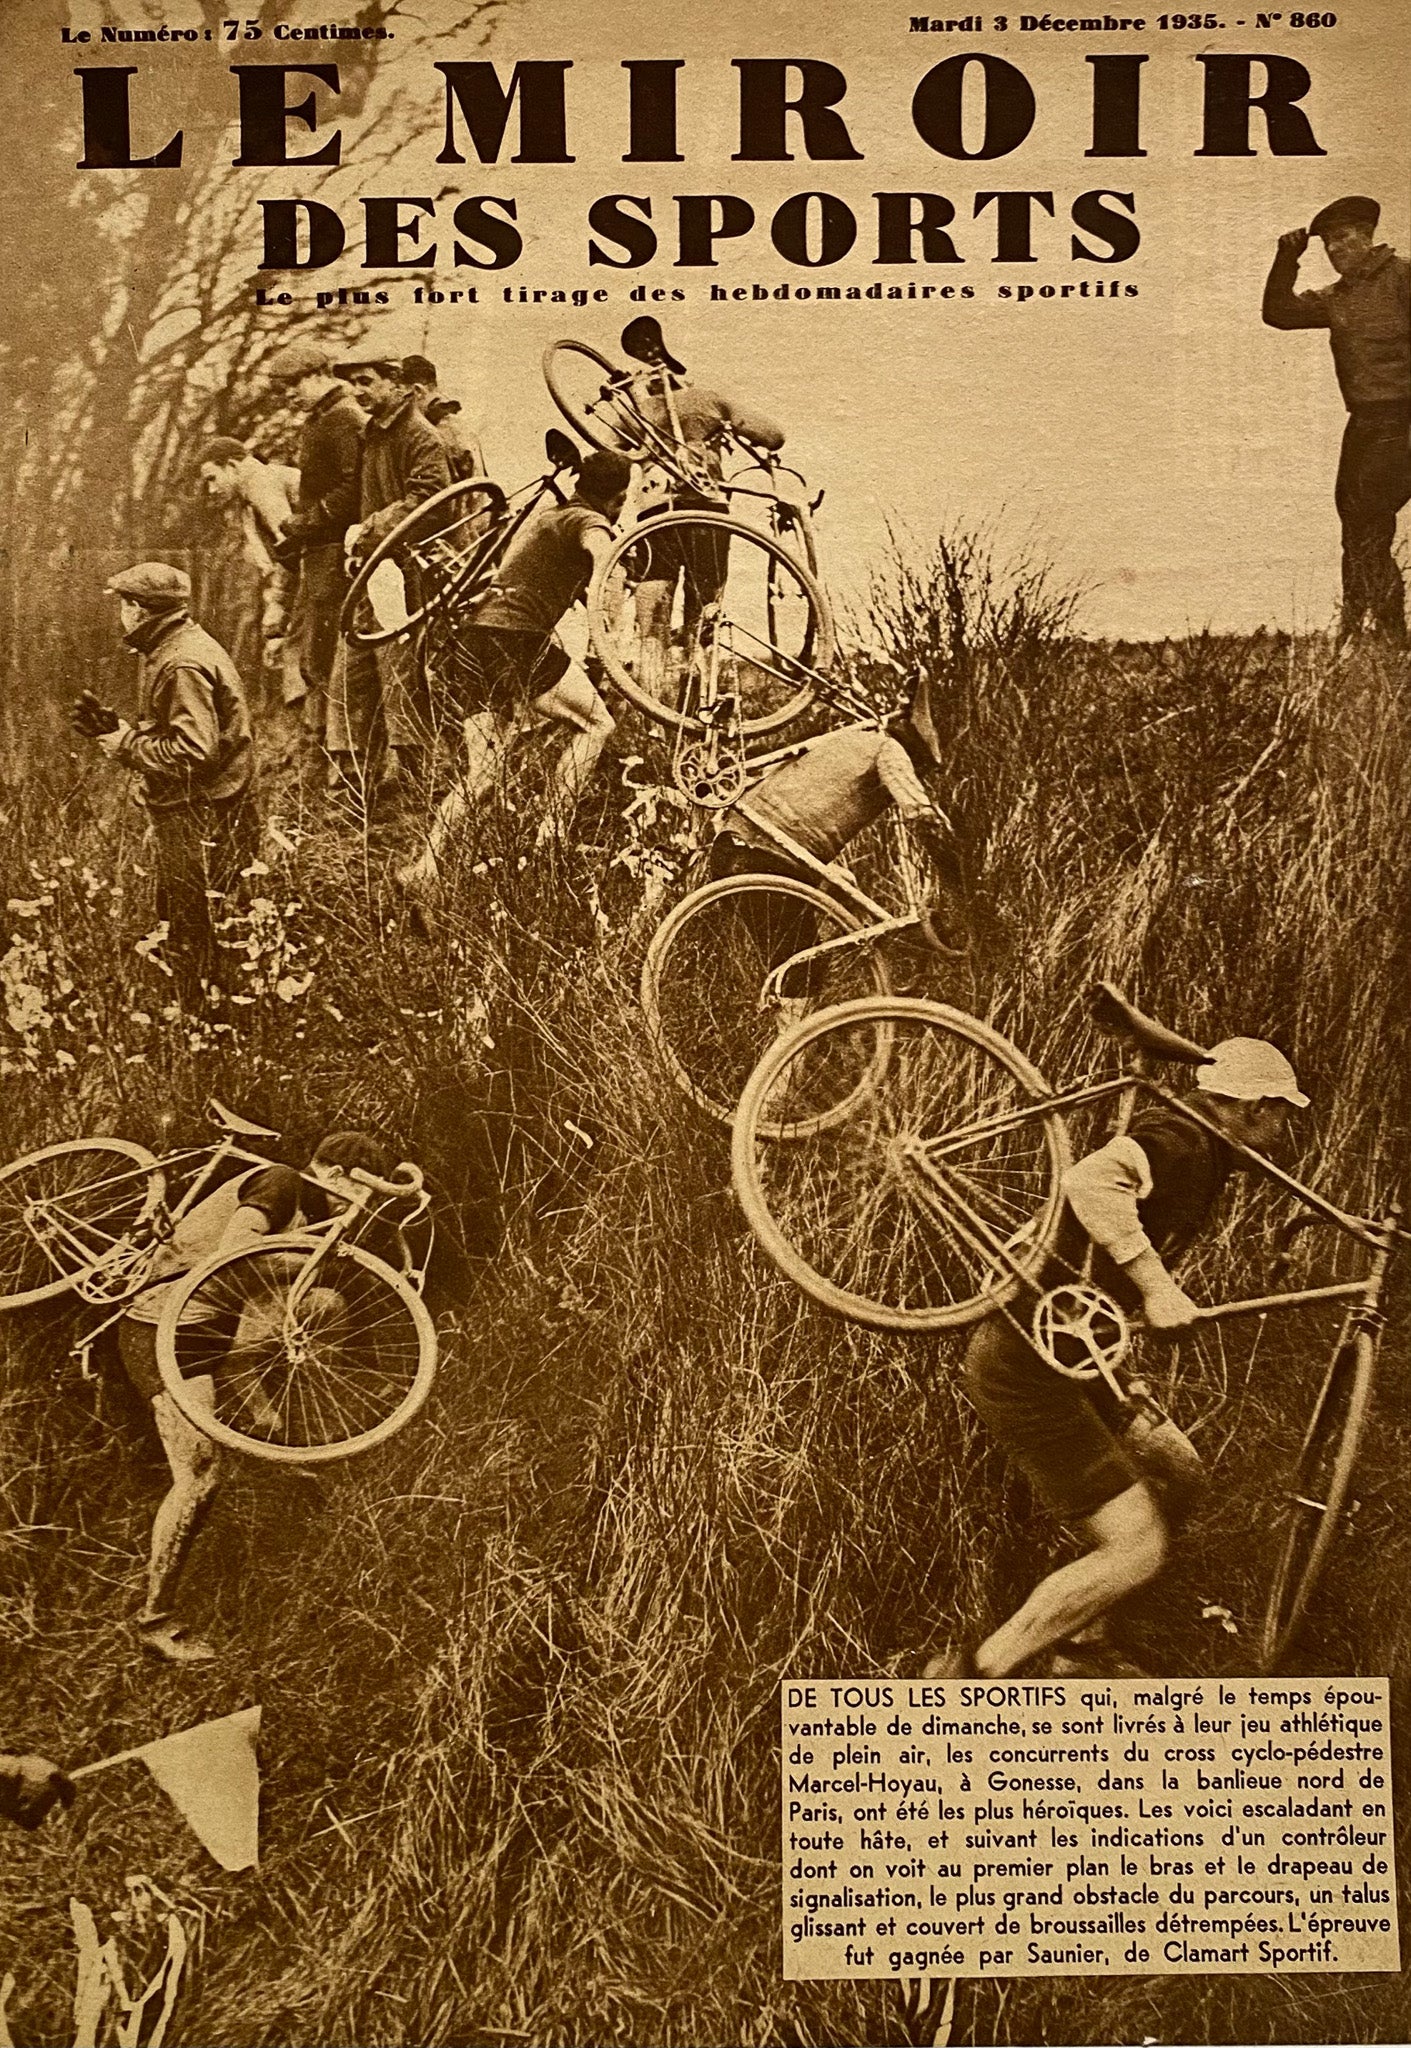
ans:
x=1140 y=1201
x=1367 y=312
x=191 y=753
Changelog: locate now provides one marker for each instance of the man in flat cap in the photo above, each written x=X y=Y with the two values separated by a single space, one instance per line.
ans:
x=192 y=754
x=463 y=450
x=402 y=464
x=330 y=446
x=1368 y=314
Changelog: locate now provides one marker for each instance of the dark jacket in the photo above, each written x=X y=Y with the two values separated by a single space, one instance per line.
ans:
x=330 y=447
x=192 y=736
x=1369 y=317
x=403 y=464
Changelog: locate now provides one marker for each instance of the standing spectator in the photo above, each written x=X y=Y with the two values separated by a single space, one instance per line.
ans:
x=330 y=445
x=463 y=450
x=192 y=753
x=1368 y=314
x=254 y=603
x=403 y=463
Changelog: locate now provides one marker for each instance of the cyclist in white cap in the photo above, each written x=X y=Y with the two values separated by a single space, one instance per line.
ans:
x=1140 y=1201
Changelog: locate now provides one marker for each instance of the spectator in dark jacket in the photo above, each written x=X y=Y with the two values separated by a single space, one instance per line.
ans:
x=330 y=446
x=192 y=753
x=1367 y=311
x=463 y=450
x=403 y=464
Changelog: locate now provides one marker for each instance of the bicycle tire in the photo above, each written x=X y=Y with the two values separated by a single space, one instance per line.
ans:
x=355 y=1336
x=113 y=1185
x=442 y=658
x=705 y=968
x=763 y=669
x=861 y=1213
x=439 y=519
x=1321 y=1480
x=620 y=436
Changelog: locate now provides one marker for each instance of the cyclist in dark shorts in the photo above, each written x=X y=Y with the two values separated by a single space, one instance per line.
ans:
x=691 y=414
x=1141 y=1200
x=517 y=663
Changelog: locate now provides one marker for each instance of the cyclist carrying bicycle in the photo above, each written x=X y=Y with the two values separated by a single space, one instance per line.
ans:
x=520 y=665
x=823 y=798
x=1140 y=1201
x=255 y=1204
x=696 y=419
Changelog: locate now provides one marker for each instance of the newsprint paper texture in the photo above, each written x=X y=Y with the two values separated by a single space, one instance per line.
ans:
x=978 y=364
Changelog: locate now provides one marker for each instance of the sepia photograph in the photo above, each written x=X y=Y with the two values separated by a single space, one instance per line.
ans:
x=705 y=778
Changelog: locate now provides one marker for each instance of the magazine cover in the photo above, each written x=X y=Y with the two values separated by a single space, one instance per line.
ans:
x=702 y=1024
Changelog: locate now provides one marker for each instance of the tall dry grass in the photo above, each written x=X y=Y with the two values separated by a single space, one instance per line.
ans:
x=520 y=1669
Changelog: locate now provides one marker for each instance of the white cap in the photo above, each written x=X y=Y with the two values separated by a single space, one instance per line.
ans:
x=1250 y=1070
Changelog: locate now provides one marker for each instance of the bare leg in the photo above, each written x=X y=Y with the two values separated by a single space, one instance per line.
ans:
x=654 y=602
x=1128 y=1536
x=195 y=1471
x=487 y=734
x=574 y=702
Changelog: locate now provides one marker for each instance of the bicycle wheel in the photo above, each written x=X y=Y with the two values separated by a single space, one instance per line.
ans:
x=70 y=1210
x=726 y=624
x=595 y=399
x=703 y=978
x=1319 y=1491
x=912 y=1212
x=439 y=550
x=315 y=1354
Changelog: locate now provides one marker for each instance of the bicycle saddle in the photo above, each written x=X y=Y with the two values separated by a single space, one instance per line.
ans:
x=238 y=1126
x=560 y=451
x=1111 y=1012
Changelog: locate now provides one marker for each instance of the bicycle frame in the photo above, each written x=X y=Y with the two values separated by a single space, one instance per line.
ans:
x=354 y=1192
x=882 y=924
x=1377 y=1235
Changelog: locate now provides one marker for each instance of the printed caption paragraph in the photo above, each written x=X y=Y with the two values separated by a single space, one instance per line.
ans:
x=1123 y=1827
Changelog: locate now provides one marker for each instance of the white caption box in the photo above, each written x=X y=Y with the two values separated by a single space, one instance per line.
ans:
x=1029 y=1828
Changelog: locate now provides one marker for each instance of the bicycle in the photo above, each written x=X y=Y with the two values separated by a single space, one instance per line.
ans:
x=441 y=559
x=319 y=1348
x=600 y=401
x=739 y=958
x=902 y=1163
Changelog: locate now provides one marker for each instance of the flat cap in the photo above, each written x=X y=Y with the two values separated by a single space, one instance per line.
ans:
x=299 y=359
x=368 y=359
x=158 y=585
x=1356 y=211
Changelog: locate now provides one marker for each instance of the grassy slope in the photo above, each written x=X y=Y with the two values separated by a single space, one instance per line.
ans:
x=519 y=1669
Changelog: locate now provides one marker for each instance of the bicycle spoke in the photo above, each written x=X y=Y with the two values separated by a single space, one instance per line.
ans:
x=878 y=1211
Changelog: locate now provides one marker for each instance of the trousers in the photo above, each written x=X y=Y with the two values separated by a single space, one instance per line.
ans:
x=201 y=847
x=373 y=697
x=1373 y=483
